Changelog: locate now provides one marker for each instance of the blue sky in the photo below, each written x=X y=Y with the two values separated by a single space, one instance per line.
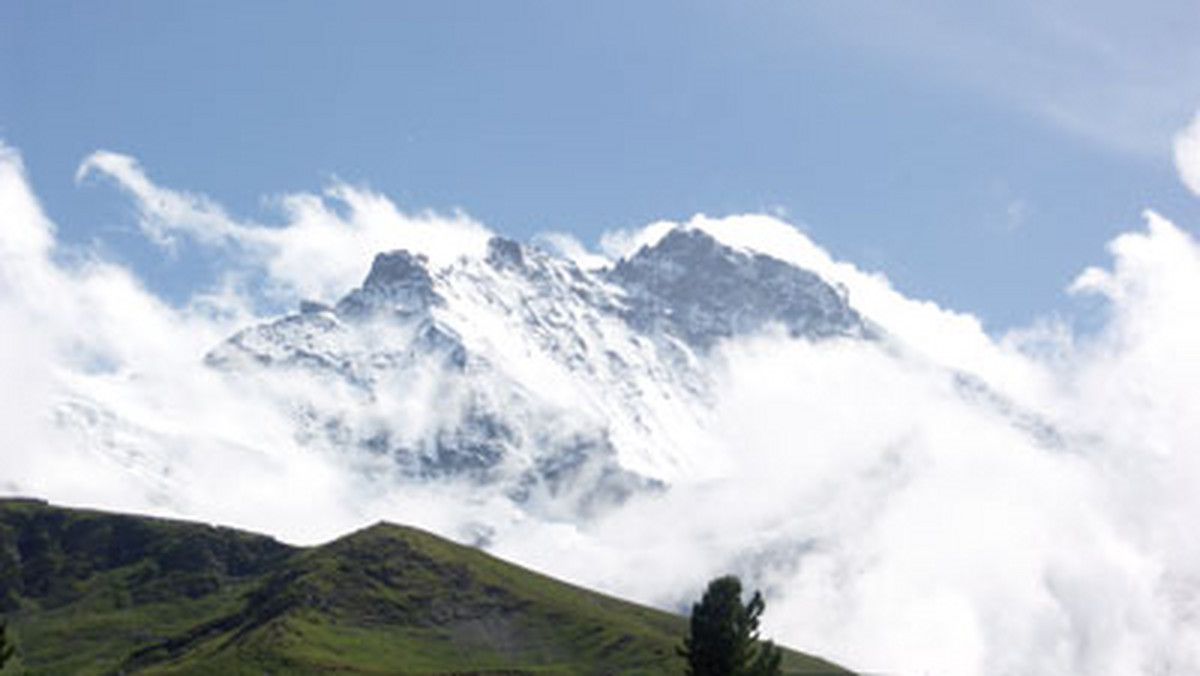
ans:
x=979 y=157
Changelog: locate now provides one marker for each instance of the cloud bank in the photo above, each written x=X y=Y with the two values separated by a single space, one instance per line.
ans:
x=900 y=517
x=904 y=528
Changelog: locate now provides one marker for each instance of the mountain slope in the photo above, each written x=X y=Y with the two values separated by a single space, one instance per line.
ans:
x=96 y=593
x=565 y=389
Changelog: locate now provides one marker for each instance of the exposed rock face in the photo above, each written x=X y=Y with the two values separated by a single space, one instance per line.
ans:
x=399 y=282
x=505 y=254
x=692 y=286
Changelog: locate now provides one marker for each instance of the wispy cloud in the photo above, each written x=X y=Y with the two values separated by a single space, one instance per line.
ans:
x=165 y=215
x=1121 y=75
x=322 y=247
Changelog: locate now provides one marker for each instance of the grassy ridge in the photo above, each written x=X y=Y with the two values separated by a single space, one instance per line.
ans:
x=96 y=593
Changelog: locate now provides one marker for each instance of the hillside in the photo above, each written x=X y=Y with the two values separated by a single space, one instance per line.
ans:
x=95 y=593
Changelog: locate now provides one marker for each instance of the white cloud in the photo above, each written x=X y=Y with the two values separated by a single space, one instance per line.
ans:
x=618 y=244
x=569 y=247
x=164 y=214
x=88 y=333
x=1187 y=155
x=28 y=235
x=320 y=251
x=896 y=524
x=928 y=533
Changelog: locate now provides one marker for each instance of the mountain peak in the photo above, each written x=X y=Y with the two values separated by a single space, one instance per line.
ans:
x=399 y=281
x=505 y=254
x=684 y=243
x=693 y=286
x=514 y=343
x=398 y=267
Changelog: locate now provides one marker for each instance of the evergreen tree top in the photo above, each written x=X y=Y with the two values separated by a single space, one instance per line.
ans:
x=723 y=637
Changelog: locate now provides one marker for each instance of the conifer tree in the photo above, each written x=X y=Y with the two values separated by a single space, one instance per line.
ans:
x=723 y=634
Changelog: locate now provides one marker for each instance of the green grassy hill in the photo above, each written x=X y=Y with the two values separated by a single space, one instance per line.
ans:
x=94 y=593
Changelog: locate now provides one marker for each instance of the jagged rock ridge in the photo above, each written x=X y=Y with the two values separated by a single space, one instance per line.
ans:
x=568 y=387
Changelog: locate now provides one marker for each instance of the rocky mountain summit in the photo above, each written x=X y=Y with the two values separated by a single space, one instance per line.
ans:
x=568 y=387
x=690 y=286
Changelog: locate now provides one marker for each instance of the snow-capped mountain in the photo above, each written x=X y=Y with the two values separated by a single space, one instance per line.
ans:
x=566 y=386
